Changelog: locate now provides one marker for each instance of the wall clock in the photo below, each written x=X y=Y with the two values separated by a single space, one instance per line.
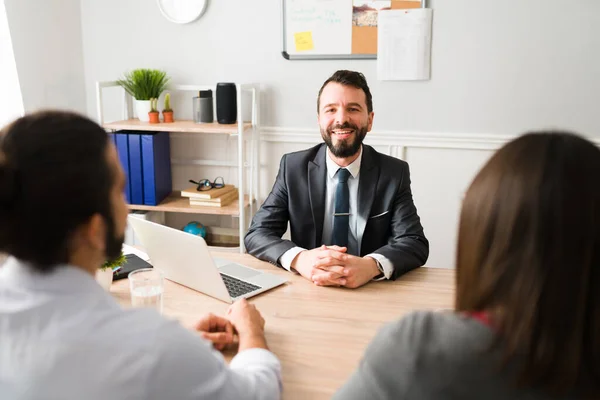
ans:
x=182 y=11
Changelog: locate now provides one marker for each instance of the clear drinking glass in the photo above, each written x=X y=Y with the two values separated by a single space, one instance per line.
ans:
x=147 y=287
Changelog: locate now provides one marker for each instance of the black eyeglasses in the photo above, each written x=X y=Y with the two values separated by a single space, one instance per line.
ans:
x=206 y=184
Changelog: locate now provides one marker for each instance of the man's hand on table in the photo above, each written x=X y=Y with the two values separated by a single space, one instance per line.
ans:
x=249 y=325
x=305 y=262
x=217 y=329
x=331 y=266
x=243 y=320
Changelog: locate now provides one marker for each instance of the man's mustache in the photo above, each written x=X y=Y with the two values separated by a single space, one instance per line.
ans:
x=345 y=125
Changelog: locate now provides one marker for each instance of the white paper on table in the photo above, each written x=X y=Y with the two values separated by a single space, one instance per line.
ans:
x=404 y=44
x=132 y=250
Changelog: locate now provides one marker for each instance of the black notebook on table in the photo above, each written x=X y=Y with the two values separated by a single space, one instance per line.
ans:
x=133 y=263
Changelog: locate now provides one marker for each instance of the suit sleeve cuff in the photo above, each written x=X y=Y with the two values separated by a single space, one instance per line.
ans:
x=384 y=264
x=286 y=259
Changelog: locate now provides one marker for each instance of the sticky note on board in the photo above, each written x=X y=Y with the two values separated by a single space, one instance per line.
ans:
x=304 y=41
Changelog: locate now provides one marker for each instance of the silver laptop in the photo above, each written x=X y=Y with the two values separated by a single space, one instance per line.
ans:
x=185 y=259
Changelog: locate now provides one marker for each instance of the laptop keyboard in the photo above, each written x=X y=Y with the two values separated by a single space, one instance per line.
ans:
x=236 y=287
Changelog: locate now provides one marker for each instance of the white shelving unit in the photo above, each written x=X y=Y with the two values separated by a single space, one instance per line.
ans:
x=248 y=134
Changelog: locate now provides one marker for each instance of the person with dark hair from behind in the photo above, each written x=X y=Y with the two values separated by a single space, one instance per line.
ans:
x=527 y=319
x=62 y=214
x=350 y=209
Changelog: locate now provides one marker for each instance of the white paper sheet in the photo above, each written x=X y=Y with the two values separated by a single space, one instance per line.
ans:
x=404 y=44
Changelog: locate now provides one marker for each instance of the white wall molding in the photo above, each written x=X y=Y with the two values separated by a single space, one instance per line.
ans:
x=399 y=139
x=393 y=138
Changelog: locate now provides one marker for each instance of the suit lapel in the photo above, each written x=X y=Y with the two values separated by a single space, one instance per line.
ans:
x=317 y=174
x=367 y=184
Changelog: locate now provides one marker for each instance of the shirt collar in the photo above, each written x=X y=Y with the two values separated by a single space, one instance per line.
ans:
x=64 y=279
x=353 y=168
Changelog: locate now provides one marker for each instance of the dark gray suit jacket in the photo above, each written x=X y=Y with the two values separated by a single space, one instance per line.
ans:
x=387 y=215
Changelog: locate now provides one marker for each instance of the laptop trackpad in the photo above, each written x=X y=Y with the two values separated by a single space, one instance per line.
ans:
x=238 y=271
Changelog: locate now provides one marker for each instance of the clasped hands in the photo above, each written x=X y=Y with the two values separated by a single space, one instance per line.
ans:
x=332 y=266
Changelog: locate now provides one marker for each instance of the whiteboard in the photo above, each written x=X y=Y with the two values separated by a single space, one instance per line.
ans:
x=331 y=29
x=330 y=19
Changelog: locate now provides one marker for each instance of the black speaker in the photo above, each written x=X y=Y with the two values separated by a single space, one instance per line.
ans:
x=226 y=103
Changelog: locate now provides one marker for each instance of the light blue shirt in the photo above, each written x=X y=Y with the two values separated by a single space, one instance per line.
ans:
x=63 y=337
x=354 y=237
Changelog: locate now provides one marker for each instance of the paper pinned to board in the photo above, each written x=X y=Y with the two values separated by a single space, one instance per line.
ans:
x=304 y=41
x=404 y=44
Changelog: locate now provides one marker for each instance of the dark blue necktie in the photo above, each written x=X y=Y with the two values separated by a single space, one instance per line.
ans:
x=341 y=216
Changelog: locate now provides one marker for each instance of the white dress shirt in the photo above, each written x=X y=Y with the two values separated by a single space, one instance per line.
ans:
x=63 y=337
x=354 y=237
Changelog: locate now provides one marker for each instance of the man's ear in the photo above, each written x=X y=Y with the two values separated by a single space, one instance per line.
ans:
x=370 y=125
x=93 y=233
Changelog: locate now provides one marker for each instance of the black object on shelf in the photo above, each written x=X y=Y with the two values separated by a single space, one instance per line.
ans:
x=226 y=103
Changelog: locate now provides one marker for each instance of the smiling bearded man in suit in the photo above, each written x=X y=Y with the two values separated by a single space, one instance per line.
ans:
x=351 y=213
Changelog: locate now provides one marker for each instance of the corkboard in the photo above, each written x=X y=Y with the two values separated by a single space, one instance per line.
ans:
x=364 y=38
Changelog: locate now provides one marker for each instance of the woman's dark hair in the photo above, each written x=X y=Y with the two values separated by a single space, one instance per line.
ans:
x=529 y=253
x=349 y=78
x=54 y=175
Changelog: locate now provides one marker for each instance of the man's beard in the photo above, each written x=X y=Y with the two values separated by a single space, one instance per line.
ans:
x=114 y=243
x=348 y=147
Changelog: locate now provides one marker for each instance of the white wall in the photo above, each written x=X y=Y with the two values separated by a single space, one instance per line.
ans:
x=46 y=39
x=11 y=102
x=496 y=68
x=497 y=71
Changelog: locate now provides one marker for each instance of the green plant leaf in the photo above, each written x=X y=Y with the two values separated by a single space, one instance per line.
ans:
x=154 y=104
x=144 y=84
x=119 y=261
x=167 y=102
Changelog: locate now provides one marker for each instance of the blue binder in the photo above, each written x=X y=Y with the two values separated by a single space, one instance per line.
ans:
x=122 y=144
x=156 y=164
x=135 y=168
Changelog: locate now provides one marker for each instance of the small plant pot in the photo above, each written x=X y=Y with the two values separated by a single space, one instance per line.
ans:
x=153 y=115
x=142 y=108
x=167 y=116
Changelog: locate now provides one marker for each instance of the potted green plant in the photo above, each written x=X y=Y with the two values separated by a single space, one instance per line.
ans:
x=153 y=113
x=144 y=84
x=104 y=275
x=167 y=111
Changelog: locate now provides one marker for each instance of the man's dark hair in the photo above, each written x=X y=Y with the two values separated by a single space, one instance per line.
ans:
x=529 y=254
x=349 y=78
x=54 y=175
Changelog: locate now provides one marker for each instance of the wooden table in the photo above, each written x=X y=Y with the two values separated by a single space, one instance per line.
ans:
x=318 y=333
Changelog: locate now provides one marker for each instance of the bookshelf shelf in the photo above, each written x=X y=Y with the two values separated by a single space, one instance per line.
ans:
x=176 y=203
x=177 y=126
x=248 y=150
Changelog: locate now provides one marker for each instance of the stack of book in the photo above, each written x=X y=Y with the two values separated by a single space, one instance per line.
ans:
x=211 y=198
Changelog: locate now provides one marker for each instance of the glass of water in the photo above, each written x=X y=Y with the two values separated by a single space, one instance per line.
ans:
x=147 y=286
